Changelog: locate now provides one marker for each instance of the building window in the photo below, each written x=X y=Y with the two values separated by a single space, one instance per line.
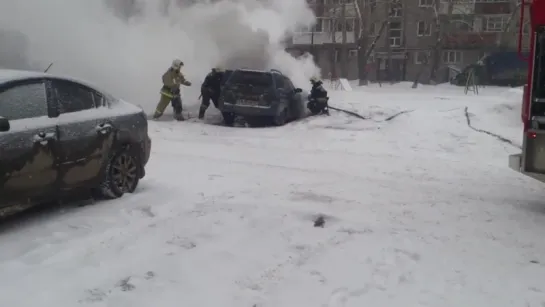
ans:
x=395 y=34
x=495 y=23
x=372 y=5
x=425 y=3
x=323 y=24
x=353 y=53
x=423 y=29
x=396 y=9
x=462 y=24
x=350 y=24
x=452 y=57
x=421 y=57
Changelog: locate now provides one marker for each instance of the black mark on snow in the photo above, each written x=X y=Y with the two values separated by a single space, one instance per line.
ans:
x=497 y=136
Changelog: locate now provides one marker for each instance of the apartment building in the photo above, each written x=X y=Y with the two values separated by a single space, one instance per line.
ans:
x=408 y=44
x=332 y=40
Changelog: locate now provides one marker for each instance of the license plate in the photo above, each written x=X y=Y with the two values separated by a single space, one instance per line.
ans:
x=248 y=102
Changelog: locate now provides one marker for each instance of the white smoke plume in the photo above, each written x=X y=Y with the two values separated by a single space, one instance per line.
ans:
x=124 y=46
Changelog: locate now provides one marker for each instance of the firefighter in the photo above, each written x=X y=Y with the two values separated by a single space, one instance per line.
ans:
x=210 y=90
x=170 y=92
x=318 y=100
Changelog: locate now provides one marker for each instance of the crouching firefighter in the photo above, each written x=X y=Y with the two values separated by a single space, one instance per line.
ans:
x=210 y=90
x=318 y=100
x=170 y=92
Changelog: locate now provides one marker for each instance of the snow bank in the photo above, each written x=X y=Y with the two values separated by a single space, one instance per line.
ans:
x=125 y=45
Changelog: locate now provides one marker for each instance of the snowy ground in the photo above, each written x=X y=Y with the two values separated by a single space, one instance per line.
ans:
x=420 y=210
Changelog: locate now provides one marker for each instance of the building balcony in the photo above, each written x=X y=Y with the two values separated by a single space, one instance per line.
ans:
x=457 y=8
x=322 y=10
x=470 y=40
x=320 y=38
x=492 y=8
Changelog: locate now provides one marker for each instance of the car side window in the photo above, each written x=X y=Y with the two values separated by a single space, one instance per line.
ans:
x=27 y=100
x=288 y=85
x=278 y=81
x=99 y=99
x=73 y=97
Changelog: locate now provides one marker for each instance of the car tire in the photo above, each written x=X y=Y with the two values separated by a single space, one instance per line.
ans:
x=313 y=108
x=281 y=118
x=228 y=118
x=121 y=174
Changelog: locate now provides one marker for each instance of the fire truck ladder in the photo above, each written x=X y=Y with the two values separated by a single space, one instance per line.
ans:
x=539 y=66
x=537 y=87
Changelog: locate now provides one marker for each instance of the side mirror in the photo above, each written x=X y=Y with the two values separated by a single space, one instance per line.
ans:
x=4 y=124
x=298 y=90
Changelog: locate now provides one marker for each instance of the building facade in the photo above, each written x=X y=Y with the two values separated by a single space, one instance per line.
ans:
x=416 y=36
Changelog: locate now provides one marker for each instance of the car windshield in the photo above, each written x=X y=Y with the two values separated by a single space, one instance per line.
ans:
x=251 y=78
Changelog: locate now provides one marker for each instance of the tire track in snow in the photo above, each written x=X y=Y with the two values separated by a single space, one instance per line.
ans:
x=267 y=282
x=497 y=136
x=355 y=114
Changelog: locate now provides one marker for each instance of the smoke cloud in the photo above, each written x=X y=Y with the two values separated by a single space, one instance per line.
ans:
x=124 y=46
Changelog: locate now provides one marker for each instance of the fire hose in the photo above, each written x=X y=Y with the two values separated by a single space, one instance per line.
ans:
x=348 y=112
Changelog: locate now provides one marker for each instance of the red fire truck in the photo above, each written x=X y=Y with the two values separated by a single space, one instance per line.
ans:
x=531 y=161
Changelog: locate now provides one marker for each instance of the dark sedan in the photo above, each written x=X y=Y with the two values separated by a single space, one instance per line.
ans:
x=60 y=136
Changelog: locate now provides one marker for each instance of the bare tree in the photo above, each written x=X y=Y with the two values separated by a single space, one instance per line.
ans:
x=445 y=25
x=334 y=20
x=344 y=50
x=340 y=17
x=366 y=35
x=439 y=36
x=511 y=26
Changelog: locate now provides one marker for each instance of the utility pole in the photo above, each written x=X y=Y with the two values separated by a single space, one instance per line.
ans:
x=344 y=52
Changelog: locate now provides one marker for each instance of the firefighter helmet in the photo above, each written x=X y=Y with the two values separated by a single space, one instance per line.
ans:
x=177 y=64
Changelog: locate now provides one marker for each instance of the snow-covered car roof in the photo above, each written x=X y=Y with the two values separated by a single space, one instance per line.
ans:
x=8 y=75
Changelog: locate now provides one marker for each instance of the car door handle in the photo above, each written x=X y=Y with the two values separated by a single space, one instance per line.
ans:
x=43 y=138
x=103 y=128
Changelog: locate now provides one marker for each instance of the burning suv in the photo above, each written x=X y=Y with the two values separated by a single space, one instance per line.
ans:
x=260 y=95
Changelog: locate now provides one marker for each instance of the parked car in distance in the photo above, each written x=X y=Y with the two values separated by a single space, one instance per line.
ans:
x=260 y=95
x=504 y=68
x=59 y=136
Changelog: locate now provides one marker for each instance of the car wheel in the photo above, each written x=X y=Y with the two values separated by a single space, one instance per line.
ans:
x=228 y=118
x=121 y=174
x=313 y=108
x=281 y=118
